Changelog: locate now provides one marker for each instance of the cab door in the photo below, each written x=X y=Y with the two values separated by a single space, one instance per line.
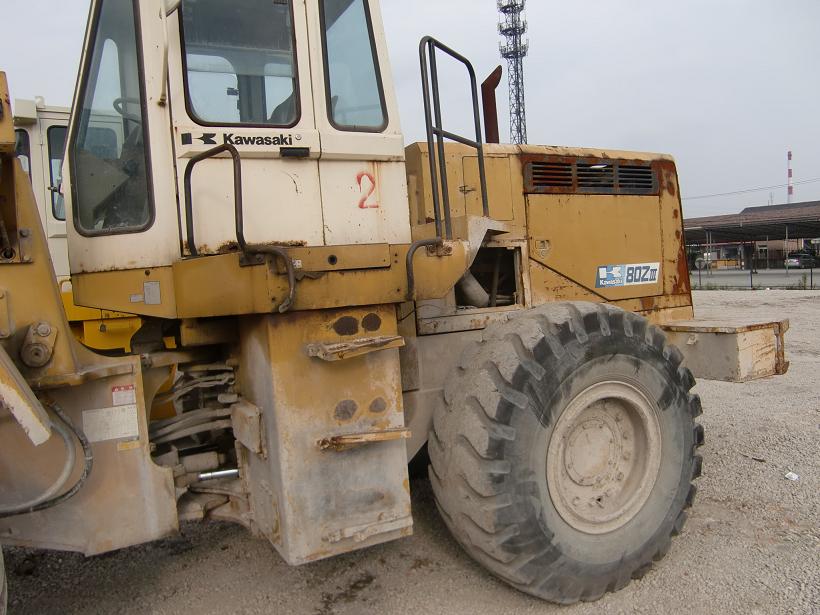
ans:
x=362 y=169
x=118 y=175
x=240 y=75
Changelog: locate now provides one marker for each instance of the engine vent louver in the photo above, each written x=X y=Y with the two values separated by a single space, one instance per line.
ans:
x=595 y=177
x=552 y=174
x=634 y=178
x=568 y=176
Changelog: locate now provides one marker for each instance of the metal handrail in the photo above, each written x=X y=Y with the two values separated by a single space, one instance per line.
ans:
x=239 y=220
x=436 y=133
x=435 y=148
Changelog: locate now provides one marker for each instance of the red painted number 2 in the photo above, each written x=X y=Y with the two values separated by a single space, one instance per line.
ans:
x=360 y=179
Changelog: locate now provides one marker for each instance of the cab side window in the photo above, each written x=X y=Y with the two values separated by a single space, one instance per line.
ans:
x=109 y=165
x=354 y=89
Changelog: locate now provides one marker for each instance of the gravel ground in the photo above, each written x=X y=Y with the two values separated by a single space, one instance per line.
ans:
x=752 y=543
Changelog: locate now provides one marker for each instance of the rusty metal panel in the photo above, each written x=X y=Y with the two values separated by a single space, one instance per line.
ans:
x=675 y=266
x=309 y=502
x=576 y=235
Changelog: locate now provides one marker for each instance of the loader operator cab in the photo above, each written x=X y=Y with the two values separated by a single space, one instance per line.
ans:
x=309 y=110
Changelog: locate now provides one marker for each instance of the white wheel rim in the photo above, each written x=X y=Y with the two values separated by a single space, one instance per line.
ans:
x=603 y=457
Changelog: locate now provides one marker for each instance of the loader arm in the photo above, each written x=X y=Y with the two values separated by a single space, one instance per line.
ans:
x=16 y=395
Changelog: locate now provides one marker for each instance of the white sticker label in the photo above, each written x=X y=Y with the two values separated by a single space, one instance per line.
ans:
x=628 y=275
x=136 y=298
x=124 y=396
x=115 y=423
x=152 y=293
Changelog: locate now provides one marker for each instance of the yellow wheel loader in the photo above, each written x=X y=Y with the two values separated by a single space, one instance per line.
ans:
x=236 y=175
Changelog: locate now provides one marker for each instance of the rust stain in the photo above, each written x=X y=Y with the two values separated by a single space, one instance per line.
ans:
x=670 y=185
x=667 y=175
x=648 y=303
x=345 y=410
x=371 y=322
x=228 y=246
x=378 y=405
x=681 y=284
x=346 y=325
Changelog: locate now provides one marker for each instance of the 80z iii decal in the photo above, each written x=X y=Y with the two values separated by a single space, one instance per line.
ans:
x=627 y=275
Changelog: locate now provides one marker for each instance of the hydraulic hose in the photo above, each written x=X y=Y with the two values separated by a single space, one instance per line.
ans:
x=48 y=498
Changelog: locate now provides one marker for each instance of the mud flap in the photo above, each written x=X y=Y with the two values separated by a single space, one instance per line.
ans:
x=331 y=475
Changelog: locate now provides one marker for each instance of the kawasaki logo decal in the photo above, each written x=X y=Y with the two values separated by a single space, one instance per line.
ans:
x=229 y=138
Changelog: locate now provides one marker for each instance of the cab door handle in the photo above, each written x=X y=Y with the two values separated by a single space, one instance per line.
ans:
x=294 y=152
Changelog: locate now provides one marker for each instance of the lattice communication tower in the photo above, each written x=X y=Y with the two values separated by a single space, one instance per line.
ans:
x=513 y=27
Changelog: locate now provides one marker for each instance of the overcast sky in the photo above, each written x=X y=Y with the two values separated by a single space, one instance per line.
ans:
x=725 y=86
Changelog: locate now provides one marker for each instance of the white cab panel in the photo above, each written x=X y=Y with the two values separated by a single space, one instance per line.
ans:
x=365 y=202
x=281 y=196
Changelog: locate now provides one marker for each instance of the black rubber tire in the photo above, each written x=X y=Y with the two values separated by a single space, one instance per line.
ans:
x=489 y=439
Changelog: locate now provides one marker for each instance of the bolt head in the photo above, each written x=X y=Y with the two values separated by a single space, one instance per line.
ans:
x=43 y=329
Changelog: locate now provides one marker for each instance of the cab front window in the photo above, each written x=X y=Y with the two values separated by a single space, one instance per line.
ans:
x=240 y=64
